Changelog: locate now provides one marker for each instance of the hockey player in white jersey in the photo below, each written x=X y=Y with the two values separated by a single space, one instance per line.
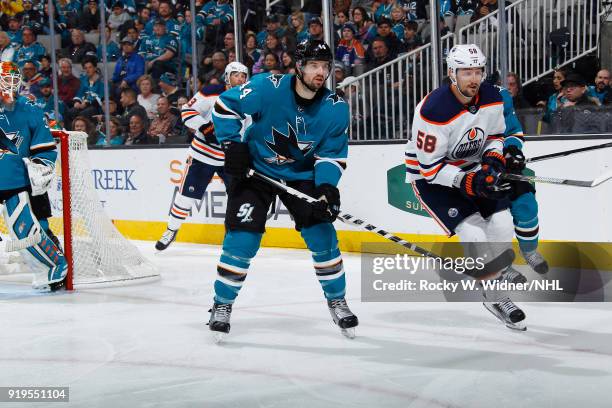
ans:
x=205 y=156
x=455 y=162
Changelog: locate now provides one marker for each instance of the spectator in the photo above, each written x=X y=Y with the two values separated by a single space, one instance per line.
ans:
x=30 y=49
x=215 y=75
x=88 y=100
x=366 y=31
x=270 y=62
x=416 y=10
x=14 y=31
x=46 y=101
x=118 y=16
x=339 y=73
x=115 y=137
x=383 y=10
x=112 y=49
x=130 y=107
x=136 y=133
x=163 y=128
x=45 y=66
x=340 y=21
x=165 y=16
x=252 y=53
x=168 y=85
x=350 y=51
x=185 y=37
x=231 y=56
x=7 y=52
x=574 y=89
x=272 y=27
x=218 y=18
x=129 y=67
x=557 y=99
x=601 y=89
x=32 y=17
x=31 y=79
x=67 y=83
x=288 y=63
x=79 y=48
x=297 y=31
x=146 y=98
x=315 y=29
x=380 y=53
x=132 y=33
x=159 y=51
x=461 y=7
x=513 y=83
x=90 y=17
x=70 y=11
x=228 y=43
x=411 y=39
x=272 y=46
x=398 y=16
x=384 y=31
x=82 y=124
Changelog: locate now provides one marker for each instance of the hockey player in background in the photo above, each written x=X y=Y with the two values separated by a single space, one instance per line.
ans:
x=205 y=156
x=455 y=162
x=27 y=164
x=290 y=128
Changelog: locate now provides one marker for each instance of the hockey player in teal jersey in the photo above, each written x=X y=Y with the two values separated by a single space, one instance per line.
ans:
x=27 y=164
x=291 y=128
x=523 y=207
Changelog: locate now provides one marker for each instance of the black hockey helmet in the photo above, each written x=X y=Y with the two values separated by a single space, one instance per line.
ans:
x=313 y=50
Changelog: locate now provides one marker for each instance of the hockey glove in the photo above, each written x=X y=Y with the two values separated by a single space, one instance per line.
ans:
x=41 y=173
x=495 y=160
x=515 y=159
x=237 y=159
x=328 y=206
x=486 y=183
x=208 y=130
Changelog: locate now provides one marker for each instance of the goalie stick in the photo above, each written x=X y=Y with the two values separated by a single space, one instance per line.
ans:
x=550 y=180
x=502 y=261
x=567 y=152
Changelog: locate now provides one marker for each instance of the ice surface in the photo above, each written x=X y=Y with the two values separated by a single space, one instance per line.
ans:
x=148 y=345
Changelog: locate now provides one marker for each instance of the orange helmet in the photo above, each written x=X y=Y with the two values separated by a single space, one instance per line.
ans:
x=10 y=81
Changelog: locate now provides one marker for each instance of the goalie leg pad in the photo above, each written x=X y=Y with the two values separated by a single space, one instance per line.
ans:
x=322 y=241
x=39 y=252
x=239 y=247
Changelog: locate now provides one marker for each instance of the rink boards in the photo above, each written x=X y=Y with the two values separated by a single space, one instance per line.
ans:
x=136 y=187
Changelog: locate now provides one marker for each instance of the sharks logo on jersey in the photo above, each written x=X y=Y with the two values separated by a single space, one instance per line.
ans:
x=335 y=98
x=276 y=79
x=287 y=148
x=9 y=142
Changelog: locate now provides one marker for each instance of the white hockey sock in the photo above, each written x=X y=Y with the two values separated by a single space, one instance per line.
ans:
x=181 y=209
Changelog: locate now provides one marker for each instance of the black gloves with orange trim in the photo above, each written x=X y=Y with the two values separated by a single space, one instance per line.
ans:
x=485 y=183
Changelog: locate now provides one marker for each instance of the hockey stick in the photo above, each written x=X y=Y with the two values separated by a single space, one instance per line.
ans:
x=549 y=180
x=567 y=152
x=497 y=264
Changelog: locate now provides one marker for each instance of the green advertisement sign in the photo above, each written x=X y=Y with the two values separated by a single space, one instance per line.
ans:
x=401 y=195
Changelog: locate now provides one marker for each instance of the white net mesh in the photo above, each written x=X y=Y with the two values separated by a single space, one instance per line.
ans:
x=100 y=253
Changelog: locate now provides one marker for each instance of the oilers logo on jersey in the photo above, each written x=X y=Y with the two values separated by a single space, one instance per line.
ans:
x=287 y=148
x=470 y=143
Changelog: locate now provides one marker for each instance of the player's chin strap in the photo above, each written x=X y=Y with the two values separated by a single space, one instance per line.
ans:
x=490 y=268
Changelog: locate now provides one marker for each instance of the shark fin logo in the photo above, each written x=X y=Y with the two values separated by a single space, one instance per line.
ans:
x=287 y=148
x=9 y=143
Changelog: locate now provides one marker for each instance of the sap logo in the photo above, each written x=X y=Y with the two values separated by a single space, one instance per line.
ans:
x=113 y=179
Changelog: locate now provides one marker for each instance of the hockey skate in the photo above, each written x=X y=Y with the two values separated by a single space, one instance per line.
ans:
x=166 y=239
x=508 y=313
x=219 y=323
x=513 y=276
x=343 y=317
x=536 y=261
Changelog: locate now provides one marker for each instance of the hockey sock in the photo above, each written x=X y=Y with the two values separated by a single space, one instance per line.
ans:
x=322 y=241
x=526 y=226
x=181 y=207
x=44 y=224
x=239 y=247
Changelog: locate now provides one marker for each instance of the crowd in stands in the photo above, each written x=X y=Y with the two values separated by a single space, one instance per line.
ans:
x=149 y=44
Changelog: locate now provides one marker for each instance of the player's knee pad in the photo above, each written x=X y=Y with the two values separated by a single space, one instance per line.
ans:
x=524 y=209
x=322 y=241
x=38 y=250
x=239 y=247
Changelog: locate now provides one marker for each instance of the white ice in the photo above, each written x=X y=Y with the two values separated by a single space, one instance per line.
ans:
x=148 y=345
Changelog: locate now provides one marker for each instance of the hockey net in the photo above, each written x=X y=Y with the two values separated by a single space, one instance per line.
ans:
x=96 y=251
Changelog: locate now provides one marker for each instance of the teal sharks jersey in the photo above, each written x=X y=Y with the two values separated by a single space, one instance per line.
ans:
x=23 y=133
x=286 y=141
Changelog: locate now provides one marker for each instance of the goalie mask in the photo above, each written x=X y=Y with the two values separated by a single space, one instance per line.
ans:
x=10 y=82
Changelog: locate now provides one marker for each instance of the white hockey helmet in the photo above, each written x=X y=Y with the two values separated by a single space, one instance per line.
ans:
x=235 y=67
x=465 y=56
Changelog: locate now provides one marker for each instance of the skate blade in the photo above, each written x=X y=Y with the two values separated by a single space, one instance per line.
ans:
x=218 y=337
x=518 y=326
x=348 y=333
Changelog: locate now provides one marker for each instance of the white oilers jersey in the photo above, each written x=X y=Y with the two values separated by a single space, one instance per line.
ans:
x=198 y=112
x=449 y=137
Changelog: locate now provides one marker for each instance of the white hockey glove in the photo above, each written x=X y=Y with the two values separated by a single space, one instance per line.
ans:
x=41 y=173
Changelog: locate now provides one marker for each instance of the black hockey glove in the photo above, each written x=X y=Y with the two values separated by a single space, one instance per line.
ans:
x=495 y=160
x=237 y=159
x=328 y=206
x=486 y=183
x=515 y=159
x=208 y=130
